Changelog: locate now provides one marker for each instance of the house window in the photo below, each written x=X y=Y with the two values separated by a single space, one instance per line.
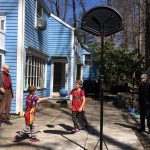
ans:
x=38 y=12
x=2 y=32
x=87 y=59
x=2 y=23
x=35 y=72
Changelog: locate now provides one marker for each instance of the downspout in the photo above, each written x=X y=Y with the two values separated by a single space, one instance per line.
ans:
x=20 y=57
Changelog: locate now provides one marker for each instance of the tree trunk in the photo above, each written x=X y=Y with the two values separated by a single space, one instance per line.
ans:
x=51 y=4
x=147 y=35
x=109 y=2
x=82 y=5
x=58 y=8
x=74 y=14
x=65 y=11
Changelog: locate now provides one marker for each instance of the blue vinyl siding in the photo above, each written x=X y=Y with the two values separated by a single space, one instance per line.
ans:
x=86 y=72
x=60 y=39
x=36 y=39
x=33 y=37
x=48 y=79
x=10 y=9
x=56 y=40
x=89 y=71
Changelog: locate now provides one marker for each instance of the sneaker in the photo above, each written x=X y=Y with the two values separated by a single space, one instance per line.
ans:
x=7 y=122
x=17 y=139
x=1 y=121
x=75 y=130
x=87 y=127
x=148 y=132
x=140 y=129
x=34 y=139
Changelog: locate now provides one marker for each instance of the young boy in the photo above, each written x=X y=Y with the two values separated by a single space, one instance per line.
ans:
x=31 y=103
x=78 y=102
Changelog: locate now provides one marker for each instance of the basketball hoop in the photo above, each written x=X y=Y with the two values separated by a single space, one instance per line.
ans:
x=102 y=22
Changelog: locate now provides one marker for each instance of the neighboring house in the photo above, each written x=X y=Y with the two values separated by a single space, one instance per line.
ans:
x=89 y=77
x=39 y=47
x=62 y=51
x=89 y=70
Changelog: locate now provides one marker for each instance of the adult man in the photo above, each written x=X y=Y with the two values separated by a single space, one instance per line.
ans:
x=7 y=95
x=142 y=101
x=148 y=103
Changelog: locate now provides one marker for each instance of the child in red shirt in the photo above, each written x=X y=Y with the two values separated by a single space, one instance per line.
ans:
x=78 y=102
x=31 y=103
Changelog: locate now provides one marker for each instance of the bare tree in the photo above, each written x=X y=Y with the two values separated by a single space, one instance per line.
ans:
x=147 y=35
x=132 y=37
x=58 y=8
x=65 y=10
x=109 y=2
x=74 y=13
x=82 y=4
x=51 y=5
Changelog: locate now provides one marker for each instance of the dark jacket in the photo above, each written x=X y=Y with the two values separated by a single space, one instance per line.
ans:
x=148 y=94
x=2 y=83
x=142 y=94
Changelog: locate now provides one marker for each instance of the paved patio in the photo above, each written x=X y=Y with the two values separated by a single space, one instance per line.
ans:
x=53 y=126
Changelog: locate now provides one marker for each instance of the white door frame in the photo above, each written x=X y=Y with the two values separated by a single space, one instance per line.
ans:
x=52 y=76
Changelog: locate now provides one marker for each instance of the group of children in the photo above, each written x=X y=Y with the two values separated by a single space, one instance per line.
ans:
x=78 y=112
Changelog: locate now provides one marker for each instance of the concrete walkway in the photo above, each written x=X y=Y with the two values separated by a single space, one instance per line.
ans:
x=53 y=126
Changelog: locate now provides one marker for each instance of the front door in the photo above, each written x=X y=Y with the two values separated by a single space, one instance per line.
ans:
x=59 y=76
x=78 y=77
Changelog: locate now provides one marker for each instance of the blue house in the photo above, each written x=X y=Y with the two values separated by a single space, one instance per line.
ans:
x=40 y=49
x=89 y=70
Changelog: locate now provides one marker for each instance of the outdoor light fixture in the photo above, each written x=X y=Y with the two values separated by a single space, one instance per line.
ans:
x=102 y=21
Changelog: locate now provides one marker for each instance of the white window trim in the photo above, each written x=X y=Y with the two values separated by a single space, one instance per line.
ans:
x=52 y=75
x=35 y=65
x=20 y=57
x=2 y=56
x=36 y=14
x=72 y=61
x=51 y=81
x=45 y=76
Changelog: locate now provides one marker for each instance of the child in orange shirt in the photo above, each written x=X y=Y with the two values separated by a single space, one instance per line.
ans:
x=31 y=103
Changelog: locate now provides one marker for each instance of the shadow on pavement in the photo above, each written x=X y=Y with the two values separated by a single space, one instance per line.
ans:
x=126 y=126
x=92 y=131
x=50 y=126
x=66 y=127
x=73 y=142
x=27 y=145
x=56 y=132
x=118 y=144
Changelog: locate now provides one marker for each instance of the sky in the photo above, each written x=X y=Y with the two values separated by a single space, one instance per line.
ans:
x=92 y=3
x=88 y=5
